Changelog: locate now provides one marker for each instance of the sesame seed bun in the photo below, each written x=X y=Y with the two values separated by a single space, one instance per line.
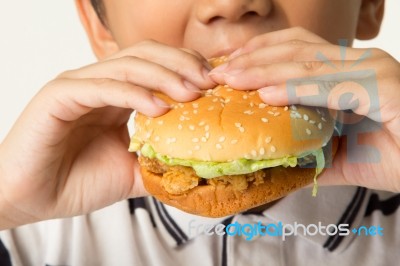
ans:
x=223 y=125
x=226 y=124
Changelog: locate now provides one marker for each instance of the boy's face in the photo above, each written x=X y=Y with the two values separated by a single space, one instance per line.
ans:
x=218 y=27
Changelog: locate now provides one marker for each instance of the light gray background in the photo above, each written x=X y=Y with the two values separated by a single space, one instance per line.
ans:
x=40 y=39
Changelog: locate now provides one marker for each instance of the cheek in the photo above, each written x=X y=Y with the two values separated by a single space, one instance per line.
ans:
x=144 y=21
x=332 y=20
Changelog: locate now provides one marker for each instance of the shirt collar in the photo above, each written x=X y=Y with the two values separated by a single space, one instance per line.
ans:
x=333 y=205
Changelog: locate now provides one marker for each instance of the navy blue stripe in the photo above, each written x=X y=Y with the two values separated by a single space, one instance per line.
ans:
x=140 y=203
x=348 y=217
x=179 y=240
x=387 y=206
x=5 y=259
x=173 y=223
x=224 y=257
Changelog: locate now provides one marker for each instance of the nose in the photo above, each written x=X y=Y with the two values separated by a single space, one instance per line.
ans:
x=209 y=11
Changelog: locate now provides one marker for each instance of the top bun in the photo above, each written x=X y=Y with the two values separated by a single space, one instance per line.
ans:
x=226 y=124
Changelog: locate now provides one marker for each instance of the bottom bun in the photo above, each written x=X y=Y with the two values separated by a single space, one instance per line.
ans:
x=222 y=200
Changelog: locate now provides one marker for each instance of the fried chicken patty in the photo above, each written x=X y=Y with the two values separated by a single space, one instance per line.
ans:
x=180 y=179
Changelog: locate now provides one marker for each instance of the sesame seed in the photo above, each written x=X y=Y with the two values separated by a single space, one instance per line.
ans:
x=180 y=127
x=197 y=147
x=226 y=86
x=252 y=93
x=298 y=115
x=318 y=111
x=181 y=105
x=294 y=108
x=251 y=104
x=207 y=128
x=246 y=156
x=245 y=97
x=254 y=153
x=262 y=105
x=222 y=105
x=268 y=140
x=248 y=112
x=215 y=100
x=157 y=139
x=323 y=119
x=203 y=139
x=182 y=118
x=271 y=113
x=210 y=108
x=277 y=114
x=262 y=151
x=207 y=135
x=286 y=108
x=319 y=126
x=218 y=146
x=195 y=140
x=195 y=105
x=227 y=100
x=148 y=135
x=274 y=108
x=311 y=122
x=209 y=91
x=308 y=131
x=185 y=112
x=265 y=120
x=195 y=112
x=234 y=141
x=147 y=122
x=191 y=127
x=305 y=117
x=273 y=148
x=221 y=139
x=229 y=89
x=241 y=129
x=171 y=140
x=238 y=125
x=202 y=123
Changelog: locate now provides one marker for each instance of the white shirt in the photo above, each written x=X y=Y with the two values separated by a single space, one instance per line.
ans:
x=146 y=232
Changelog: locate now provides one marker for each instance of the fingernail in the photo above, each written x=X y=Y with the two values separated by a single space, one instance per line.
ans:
x=219 y=69
x=267 y=90
x=160 y=102
x=234 y=72
x=190 y=87
x=235 y=53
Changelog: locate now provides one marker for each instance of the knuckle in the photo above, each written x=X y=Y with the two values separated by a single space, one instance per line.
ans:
x=311 y=66
x=380 y=53
x=146 y=43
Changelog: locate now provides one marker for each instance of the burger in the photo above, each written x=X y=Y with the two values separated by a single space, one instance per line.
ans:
x=228 y=151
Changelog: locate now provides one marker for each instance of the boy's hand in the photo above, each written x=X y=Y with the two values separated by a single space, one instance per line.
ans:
x=67 y=154
x=370 y=76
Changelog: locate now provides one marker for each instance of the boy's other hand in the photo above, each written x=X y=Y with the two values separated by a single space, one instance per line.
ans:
x=366 y=81
x=67 y=154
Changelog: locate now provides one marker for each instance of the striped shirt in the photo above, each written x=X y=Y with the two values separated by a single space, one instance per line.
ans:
x=144 y=231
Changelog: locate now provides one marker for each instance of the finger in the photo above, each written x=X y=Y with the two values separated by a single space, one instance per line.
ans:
x=188 y=63
x=68 y=100
x=141 y=73
x=276 y=37
x=294 y=50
